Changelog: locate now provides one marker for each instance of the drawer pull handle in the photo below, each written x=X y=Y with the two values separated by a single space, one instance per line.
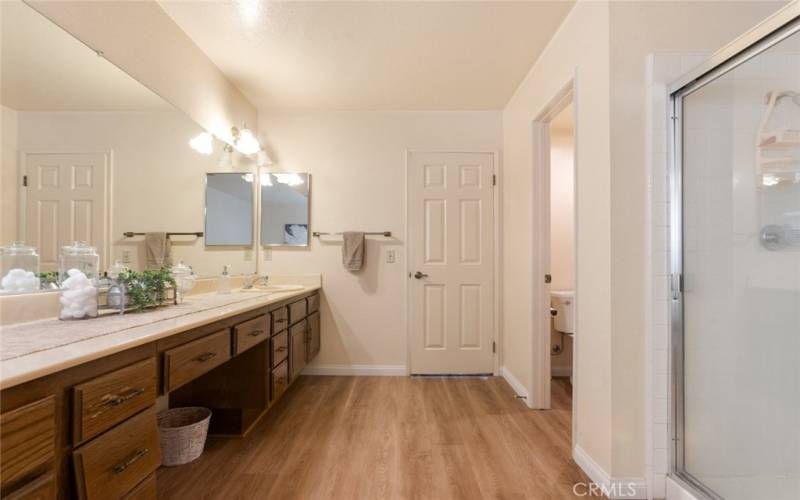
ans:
x=255 y=333
x=281 y=348
x=281 y=320
x=120 y=467
x=205 y=357
x=113 y=400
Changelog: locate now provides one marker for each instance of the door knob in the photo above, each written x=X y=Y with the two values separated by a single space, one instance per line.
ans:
x=420 y=275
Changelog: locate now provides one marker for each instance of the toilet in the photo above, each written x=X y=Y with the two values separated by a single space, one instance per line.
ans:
x=562 y=304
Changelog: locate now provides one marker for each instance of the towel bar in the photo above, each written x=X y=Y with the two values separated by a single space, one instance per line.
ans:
x=385 y=234
x=131 y=234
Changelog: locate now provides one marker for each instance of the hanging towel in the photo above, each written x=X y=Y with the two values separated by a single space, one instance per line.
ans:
x=158 y=248
x=353 y=250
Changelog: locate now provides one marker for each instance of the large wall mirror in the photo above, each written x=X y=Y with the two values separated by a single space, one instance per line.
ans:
x=90 y=154
x=284 y=208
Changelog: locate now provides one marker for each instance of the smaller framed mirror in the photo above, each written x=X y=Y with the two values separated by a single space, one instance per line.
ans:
x=284 y=209
x=229 y=209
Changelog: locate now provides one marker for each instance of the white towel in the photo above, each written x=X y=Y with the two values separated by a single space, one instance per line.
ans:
x=353 y=250
x=158 y=250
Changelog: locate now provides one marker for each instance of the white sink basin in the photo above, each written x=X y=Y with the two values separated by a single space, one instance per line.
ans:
x=274 y=288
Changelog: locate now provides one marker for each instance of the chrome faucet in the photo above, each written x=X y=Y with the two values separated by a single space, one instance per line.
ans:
x=253 y=280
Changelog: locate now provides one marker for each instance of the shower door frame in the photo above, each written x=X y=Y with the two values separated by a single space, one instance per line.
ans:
x=778 y=27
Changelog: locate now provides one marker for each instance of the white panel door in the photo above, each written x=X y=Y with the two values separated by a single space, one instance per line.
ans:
x=65 y=201
x=451 y=225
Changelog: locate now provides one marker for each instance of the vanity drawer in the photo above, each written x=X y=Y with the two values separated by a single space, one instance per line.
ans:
x=280 y=348
x=313 y=303
x=280 y=380
x=113 y=464
x=250 y=333
x=27 y=440
x=42 y=488
x=298 y=337
x=189 y=361
x=105 y=401
x=280 y=319
x=146 y=490
x=297 y=311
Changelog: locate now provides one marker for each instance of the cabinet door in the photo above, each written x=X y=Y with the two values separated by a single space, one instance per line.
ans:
x=313 y=336
x=297 y=353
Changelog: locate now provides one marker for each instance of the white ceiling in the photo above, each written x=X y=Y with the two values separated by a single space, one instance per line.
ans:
x=379 y=55
x=45 y=69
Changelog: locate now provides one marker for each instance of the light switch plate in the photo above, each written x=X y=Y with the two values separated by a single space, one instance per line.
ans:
x=391 y=256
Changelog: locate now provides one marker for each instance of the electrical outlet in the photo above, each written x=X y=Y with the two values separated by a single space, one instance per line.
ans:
x=267 y=253
x=391 y=256
x=126 y=256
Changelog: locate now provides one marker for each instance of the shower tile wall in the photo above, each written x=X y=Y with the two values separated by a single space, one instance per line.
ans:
x=663 y=68
x=742 y=375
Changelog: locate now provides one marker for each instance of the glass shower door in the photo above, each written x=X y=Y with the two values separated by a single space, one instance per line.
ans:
x=738 y=316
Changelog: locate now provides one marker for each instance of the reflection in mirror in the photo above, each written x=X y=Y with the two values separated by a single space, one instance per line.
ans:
x=89 y=154
x=229 y=209
x=284 y=209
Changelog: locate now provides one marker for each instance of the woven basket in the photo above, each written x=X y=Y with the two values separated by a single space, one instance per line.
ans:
x=183 y=433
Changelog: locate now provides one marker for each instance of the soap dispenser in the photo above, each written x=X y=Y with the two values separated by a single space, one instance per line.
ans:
x=224 y=285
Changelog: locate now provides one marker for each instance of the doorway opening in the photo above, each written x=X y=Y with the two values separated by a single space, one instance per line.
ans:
x=562 y=256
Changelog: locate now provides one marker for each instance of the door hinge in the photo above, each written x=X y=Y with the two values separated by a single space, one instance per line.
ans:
x=494 y=346
x=25 y=180
x=494 y=179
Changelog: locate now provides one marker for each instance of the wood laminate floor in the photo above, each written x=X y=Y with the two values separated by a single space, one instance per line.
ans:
x=391 y=437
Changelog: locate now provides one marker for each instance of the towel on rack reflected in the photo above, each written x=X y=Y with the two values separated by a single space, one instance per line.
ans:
x=353 y=250
x=158 y=250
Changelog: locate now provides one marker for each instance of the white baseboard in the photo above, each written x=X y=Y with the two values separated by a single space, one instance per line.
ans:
x=514 y=383
x=628 y=488
x=357 y=370
x=676 y=491
x=561 y=371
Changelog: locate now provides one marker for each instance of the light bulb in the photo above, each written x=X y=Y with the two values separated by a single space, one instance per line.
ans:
x=202 y=143
x=247 y=144
x=266 y=180
x=290 y=180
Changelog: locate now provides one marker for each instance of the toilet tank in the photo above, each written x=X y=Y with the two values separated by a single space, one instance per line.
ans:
x=564 y=304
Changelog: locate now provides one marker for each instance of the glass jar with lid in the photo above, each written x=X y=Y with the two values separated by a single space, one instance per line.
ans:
x=184 y=278
x=81 y=256
x=19 y=268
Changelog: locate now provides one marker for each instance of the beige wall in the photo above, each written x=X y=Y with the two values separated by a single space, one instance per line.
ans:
x=158 y=180
x=141 y=39
x=605 y=45
x=357 y=166
x=9 y=185
x=578 y=50
x=638 y=29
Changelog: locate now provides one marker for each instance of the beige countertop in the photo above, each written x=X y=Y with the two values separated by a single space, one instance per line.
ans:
x=39 y=348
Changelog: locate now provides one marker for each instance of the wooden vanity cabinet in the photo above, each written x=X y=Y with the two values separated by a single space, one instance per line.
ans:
x=298 y=339
x=27 y=444
x=314 y=340
x=90 y=431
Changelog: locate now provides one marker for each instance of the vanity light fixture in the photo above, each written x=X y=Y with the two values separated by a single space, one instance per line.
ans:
x=226 y=158
x=202 y=143
x=246 y=143
x=263 y=159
